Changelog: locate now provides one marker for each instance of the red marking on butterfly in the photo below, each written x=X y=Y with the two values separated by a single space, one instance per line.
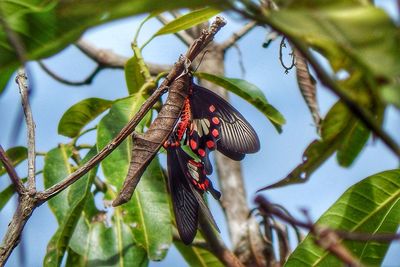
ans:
x=210 y=144
x=215 y=120
x=215 y=133
x=211 y=108
x=193 y=144
x=201 y=152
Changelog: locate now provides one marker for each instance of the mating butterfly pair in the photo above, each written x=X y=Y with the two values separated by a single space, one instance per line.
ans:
x=209 y=122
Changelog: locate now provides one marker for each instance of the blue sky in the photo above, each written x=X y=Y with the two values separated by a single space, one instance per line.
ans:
x=279 y=153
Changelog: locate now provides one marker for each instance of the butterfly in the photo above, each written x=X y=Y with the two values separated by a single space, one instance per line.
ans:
x=208 y=123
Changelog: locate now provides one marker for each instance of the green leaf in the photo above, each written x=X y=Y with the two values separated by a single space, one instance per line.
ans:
x=340 y=132
x=109 y=246
x=188 y=20
x=56 y=168
x=77 y=196
x=250 y=93
x=5 y=78
x=115 y=166
x=196 y=256
x=352 y=144
x=133 y=75
x=17 y=155
x=391 y=94
x=65 y=21
x=149 y=213
x=6 y=194
x=371 y=206
x=80 y=114
x=349 y=35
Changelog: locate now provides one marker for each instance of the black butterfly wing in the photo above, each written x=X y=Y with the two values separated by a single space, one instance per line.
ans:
x=235 y=137
x=184 y=160
x=186 y=199
x=185 y=204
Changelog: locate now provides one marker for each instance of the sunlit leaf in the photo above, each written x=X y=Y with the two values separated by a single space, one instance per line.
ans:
x=80 y=114
x=371 y=206
x=188 y=20
x=148 y=211
x=100 y=245
x=133 y=75
x=196 y=256
x=250 y=93
x=57 y=167
x=77 y=196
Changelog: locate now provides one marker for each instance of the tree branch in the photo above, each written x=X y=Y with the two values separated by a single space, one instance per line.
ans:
x=108 y=59
x=22 y=82
x=19 y=187
x=232 y=40
x=217 y=246
x=182 y=35
x=326 y=238
x=56 y=77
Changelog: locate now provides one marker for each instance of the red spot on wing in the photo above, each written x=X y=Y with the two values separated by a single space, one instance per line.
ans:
x=201 y=152
x=211 y=108
x=215 y=120
x=193 y=144
x=210 y=144
x=215 y=133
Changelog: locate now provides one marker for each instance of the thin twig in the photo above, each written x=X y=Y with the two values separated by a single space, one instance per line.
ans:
x=56 y=77
x=109 y=59
x=232 y=40
x=182 y=35
x=22 y=82
x=19 y=187
x=217 y=245
x=292 y=64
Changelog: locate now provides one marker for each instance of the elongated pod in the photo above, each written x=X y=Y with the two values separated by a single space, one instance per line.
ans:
x=145 y=146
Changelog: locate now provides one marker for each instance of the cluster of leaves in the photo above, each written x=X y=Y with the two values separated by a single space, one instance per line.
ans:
x=355 y=37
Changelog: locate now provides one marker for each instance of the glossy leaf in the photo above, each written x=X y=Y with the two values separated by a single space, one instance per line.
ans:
x=197 y=257
x=115 y=166
x=149 y=213
x=352 y=144
x=250 y=93
x=370 y=206
x=65 y=21
x=80 y=114
x=133 y=75
x=188 y=20
x=16 y=155
x=349 y=35
x=56 y=168
x=77 y=196
x=108 y=246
